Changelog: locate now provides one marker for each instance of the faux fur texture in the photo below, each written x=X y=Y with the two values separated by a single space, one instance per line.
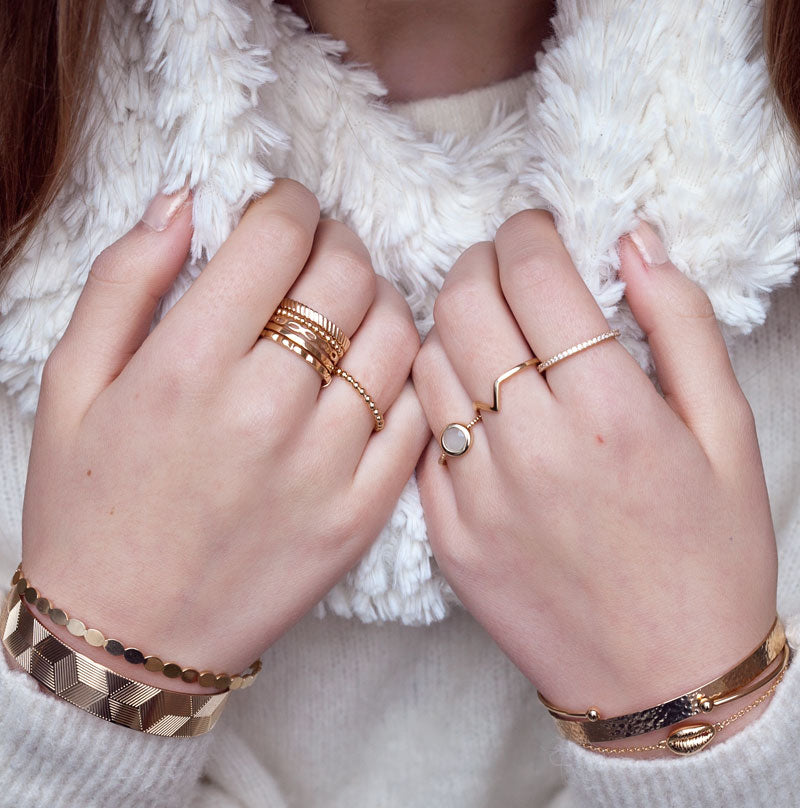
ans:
x=638 y=108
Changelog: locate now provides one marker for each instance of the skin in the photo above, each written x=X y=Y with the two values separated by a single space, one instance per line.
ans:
x=429 y=48
x=615 y=543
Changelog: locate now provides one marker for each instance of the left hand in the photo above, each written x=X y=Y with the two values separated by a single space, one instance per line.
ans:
x=617 y=544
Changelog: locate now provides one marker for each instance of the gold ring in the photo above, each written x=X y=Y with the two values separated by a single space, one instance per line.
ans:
x=320 y=319
x=495 y=405
x=380 y=422
x=306 y=339
x=581 y=346
x=456 y=439
x=309 y=334
x=301 y=352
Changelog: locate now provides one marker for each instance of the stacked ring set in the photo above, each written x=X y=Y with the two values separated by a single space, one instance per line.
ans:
x=318 y=341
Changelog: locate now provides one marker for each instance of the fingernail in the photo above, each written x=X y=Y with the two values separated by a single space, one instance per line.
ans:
x=649 y=245
x=162 y=209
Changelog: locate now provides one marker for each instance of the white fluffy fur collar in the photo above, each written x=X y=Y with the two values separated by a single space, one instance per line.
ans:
x=638 y=108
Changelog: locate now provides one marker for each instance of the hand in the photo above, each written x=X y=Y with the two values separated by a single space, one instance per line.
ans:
x=617 y=545
x=193 y=492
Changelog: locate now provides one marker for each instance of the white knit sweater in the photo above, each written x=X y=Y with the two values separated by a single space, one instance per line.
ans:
x=347 y=713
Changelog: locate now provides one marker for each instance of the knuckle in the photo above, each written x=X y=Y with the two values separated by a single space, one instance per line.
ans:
x=281 y=230
x=424 y=365
x=400 y=337
x=350 y=268
x=479 y=251
x=297 y=193
x=110 y=265
x=529 y=271
x=193 y=366
x=461 y=300
x=696 y=304
x=54 y=370
x=255 y=419
x=526 y=222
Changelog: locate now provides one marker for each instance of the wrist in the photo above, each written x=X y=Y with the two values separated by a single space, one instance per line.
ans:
x=117 y=664
x=726 y=720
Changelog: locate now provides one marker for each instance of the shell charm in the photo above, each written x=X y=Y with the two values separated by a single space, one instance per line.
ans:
x=690 y=739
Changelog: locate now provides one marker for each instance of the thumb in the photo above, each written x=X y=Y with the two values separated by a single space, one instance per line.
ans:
x=689 y=351
x=115 y=309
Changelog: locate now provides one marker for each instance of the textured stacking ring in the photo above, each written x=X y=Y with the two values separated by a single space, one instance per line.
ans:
x=456 y=439
x=294 y=307
x=581 y=346
x=336 y=348
x=305 y=343
x=309 y=334
x=373 y=407
x=495 y=405
x=98 y=690
x=133 y=655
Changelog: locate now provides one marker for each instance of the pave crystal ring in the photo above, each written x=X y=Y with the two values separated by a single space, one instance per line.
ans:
x=581 y=346
x=456 y=439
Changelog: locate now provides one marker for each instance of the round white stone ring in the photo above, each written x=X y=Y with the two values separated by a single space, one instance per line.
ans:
x=456 y=439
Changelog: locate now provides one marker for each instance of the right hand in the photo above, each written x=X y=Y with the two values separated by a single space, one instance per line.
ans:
x=193 y=492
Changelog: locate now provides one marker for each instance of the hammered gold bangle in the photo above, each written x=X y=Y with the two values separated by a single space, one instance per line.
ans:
x=589 y=726
x=688 y=739
x=98 y=690
x=22 y=586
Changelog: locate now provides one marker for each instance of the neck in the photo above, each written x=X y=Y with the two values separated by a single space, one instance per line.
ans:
x=430 y=48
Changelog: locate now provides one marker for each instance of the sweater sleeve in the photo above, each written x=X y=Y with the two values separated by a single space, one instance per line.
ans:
x=55 y=754
x=756 y=767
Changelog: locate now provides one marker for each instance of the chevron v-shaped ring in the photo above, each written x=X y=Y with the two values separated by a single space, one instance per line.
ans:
x=495 y=405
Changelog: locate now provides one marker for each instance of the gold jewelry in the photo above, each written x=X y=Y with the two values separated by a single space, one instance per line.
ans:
x=495 y=405
x=334 y=349
x=306 y=340
x=296 y=347
x=456 y=439
x=320 y=319
x=309 y=334
x=97 y=689
x=581 y=346
x=688 y=739
x=373 y=407
x=337 y=349
x=22 y=587
x=590 y=727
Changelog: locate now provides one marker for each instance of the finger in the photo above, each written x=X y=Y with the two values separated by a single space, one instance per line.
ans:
x=115 y=309
x=554 y=308
x=689 y=352
x=439 y=502
x=339 y=282
x=391 y=454
x=445 y=401
x=379 y=359
x=481 y=338
x=220 y=316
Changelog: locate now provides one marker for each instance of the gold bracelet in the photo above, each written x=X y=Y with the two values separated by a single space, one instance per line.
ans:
x=98 y=690
x=689 y=739
x=589 y=726
x=93 y=637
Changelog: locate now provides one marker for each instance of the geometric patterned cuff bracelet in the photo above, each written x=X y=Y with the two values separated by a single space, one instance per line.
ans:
x=97 y=689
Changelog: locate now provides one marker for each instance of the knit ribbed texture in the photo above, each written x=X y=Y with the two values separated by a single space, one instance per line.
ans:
x=55 y=755
x=756 y=768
